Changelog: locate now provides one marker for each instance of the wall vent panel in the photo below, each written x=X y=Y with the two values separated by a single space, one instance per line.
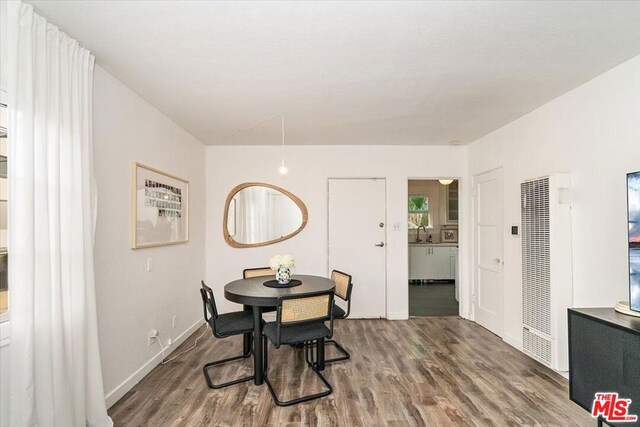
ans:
x=546 y=269
x=536 y=345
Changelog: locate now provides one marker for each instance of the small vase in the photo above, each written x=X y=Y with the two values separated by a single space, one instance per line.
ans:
x=283 y=276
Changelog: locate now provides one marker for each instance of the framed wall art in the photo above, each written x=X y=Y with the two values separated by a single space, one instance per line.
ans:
x=159 y=207
x=448 y=235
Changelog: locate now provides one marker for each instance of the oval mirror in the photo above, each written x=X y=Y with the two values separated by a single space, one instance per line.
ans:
x=258 y=214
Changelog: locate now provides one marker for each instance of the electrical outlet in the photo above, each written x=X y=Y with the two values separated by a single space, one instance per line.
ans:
x=149 y=264
x=153 y=334
x=396 y=226
x=169 y=342
x=174 y=320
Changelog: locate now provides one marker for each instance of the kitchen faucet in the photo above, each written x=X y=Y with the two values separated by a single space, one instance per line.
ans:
x=418 y=233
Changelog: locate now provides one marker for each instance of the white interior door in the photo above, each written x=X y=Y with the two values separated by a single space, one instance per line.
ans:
x=357 y=241
x=488 y=293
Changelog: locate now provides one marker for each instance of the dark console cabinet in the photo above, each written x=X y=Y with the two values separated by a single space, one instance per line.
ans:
x=604 y=356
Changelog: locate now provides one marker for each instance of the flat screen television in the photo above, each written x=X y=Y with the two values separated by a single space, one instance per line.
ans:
x=633 y=204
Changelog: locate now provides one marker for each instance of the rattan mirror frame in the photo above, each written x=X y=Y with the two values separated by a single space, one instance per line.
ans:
x=229 y=239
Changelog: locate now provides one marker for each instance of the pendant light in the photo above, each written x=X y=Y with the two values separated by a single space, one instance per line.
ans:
x=283 y=167
x=283 y=170
x=445 y=181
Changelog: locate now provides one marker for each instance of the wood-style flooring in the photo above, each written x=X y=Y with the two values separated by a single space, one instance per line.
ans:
x=419 y=372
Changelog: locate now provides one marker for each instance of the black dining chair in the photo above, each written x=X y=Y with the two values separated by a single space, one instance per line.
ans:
x=248 y=273
x=223 y=326
x=344 y=286
x=300 y=319
x=265 y=272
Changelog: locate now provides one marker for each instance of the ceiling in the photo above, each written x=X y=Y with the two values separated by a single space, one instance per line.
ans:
x=405 y=73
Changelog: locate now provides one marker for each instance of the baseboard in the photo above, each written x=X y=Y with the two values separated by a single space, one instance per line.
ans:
x=513 y=342
x=400 y=315
x=116 y=394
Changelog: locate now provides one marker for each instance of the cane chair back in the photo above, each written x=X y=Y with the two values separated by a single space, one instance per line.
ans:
x=296 y=310
x=208 y=303
x=343 y=284
x=257 y=272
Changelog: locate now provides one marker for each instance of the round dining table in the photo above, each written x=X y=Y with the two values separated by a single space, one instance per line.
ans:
x=254 y=295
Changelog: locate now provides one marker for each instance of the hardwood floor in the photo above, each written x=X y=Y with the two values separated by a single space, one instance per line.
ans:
x=424 y=372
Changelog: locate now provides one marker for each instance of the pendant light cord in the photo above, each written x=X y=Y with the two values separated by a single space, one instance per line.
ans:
x=282 y=116
x=283 y=167
x=239 y=131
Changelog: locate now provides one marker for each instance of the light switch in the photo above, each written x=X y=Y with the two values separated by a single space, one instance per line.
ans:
x=149 y=264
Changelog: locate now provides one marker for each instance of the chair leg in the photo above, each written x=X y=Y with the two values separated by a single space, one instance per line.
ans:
x=205 y=370
x=299 y=399
x=341 y=349
x=265 y=360
x=247 y=344
x=345 y=353
x=308 y=354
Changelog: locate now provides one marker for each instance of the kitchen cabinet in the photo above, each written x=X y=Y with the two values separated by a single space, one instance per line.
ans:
x=451 y=203
x=432 y=262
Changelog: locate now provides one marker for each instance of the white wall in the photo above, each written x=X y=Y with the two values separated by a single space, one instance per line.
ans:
x=130 y=300
x=4 y=374
x=309 y=169
x=592 y=132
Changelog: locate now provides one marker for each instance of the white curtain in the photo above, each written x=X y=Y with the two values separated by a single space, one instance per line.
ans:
x=252 y=209
x=56 y=377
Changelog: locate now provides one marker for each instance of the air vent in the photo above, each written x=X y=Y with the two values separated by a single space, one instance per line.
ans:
x=547 y=287
x=536 y=345
x=536 y=278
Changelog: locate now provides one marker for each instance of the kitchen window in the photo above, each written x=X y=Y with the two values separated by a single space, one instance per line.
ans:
x=419 y=215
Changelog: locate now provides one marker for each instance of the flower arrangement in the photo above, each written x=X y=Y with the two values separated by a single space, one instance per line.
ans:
x=282 y=261
x=282 y=265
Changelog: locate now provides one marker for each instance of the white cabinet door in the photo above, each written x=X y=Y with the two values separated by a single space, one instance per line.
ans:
x=418 y=262
x=453 y=257
x=440 y=263
x=430 y=263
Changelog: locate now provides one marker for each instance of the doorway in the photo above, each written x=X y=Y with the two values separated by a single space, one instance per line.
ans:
x=432 y=239
x=357 y=241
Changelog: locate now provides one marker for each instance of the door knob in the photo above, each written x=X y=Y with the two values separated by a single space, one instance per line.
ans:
x=497 y=260
x=381 y=244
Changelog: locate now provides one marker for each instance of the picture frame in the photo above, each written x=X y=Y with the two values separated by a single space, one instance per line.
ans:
x=448 y=235
x=159 y=207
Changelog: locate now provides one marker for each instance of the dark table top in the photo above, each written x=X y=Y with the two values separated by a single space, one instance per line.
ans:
x=253 y=292
x=611 y=316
